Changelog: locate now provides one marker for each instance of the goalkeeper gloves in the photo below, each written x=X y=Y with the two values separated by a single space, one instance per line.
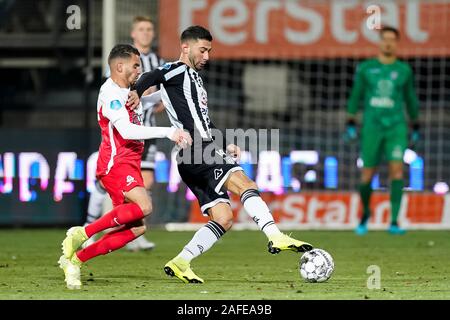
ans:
x=351 y=133
x=414 y=136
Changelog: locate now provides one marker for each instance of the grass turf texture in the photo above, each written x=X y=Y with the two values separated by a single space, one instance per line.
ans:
x=413 y=266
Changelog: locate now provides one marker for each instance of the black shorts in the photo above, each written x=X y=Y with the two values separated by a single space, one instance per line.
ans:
x=148 y=159
x=206 y=180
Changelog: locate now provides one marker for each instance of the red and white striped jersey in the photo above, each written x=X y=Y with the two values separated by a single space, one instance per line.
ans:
x=114 y=149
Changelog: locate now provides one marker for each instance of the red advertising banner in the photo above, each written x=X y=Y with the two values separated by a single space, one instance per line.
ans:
x=289 y=29
x=342 y=209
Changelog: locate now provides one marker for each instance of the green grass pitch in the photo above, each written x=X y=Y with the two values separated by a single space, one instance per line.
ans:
x=413 y=266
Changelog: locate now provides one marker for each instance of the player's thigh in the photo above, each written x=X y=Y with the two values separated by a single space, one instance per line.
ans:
x=238 y=182
x=396 y=143
x=139 y=196
x=222 y=214
x=371 y=146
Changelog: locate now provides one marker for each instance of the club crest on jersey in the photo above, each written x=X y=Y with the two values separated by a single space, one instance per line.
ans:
x=130 y=180
x=115 y=105
x=203 y=100
x=218 y=173
x=394 y=75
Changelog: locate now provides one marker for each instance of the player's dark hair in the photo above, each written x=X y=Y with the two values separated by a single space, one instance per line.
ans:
x=122 y=51
x=390 y=29
x=195 y=33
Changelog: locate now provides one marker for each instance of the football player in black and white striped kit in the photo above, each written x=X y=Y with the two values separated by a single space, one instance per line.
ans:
x=142 y=33
x=185 y=98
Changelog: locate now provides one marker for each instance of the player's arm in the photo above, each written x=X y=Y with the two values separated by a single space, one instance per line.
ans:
x=231 y=149
x=356 y=94
x=149 y=79
x=412 y=107
x=353 y=104
x=150 y=100
x=131 y=131
x=119 y=117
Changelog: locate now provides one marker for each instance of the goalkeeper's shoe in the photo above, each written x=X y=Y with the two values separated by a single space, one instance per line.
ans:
x=280 y=242
x=71 y=273
x=396 y=230
x=76 y=236
x=181 y=269
x=361 y=229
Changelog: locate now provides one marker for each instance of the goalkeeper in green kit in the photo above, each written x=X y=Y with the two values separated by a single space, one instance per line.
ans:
x=385 y=85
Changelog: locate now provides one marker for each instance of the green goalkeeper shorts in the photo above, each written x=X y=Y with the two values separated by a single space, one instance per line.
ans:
x=377 y=142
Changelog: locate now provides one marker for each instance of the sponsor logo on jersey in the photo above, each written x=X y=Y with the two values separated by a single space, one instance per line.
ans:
x=165 y=66
x=397 y=153
x=218 y=173
x=381 y=102
x=115 y=105
x=130 y=180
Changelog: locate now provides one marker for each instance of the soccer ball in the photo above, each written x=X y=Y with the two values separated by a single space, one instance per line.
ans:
x=316 y=265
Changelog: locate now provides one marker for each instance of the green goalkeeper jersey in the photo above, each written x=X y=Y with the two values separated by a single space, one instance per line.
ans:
x=385 y=90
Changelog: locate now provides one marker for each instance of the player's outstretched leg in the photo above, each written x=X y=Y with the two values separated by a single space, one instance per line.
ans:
x=202 y=240
x=110 y=242
x=180 y=268
x=120 y=215
x=260 y=213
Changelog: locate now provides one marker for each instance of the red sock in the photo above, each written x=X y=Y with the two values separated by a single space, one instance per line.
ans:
x=109 y=242
x=122 y=214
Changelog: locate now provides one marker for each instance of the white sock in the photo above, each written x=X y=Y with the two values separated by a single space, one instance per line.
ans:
x=203 y=239
x=95 y=206
x=259 y=211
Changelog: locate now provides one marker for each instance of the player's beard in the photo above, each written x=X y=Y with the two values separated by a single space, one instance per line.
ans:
x=131 y=79
x=388 y=52
x=194 y=64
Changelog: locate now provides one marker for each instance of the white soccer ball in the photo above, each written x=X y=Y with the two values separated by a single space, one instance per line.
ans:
x=316 y=265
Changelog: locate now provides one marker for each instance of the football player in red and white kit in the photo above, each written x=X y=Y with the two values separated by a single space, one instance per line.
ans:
x=118 y=167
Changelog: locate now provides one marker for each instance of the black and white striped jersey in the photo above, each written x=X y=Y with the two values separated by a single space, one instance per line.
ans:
x=183 y=95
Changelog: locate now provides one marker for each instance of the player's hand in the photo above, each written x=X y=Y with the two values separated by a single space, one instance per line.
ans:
x=133 y=100
x=234 y=151
x=180 y=137
x=159 y=107
x=414 y=136
x=351 y=133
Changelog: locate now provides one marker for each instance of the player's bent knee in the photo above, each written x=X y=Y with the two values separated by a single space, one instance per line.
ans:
x=225 y=222
x=252 y=185
x=248 y=186
x=139 y=231
x=146 y=208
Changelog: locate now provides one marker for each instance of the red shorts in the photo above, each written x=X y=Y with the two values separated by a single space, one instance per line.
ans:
x=121 y=178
